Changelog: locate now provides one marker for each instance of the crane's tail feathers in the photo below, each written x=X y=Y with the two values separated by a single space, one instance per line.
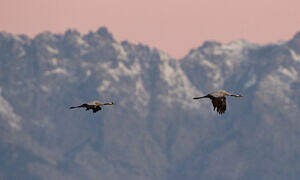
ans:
x=76 y=107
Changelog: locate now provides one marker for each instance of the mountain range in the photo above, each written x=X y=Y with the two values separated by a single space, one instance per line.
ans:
x=156 y=130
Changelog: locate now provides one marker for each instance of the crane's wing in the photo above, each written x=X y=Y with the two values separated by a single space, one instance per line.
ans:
x=219 y=104
x=96 y=109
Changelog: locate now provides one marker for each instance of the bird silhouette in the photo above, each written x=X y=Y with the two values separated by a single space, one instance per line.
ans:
x=94 y=105
x=218 y=99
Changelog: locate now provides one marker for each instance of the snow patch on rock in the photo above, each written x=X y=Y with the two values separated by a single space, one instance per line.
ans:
x=52 y=50
x=295 y=56
x=88 y=73
x=121 y=70
x=7 y=113
x=277 y=84
x=44 y=88
x=291 y=73
x=142 y=98
x=104 y=86
x=251 y=82
x=119 y=48
x=57 y=71
x=54 y=61
x=179 y=86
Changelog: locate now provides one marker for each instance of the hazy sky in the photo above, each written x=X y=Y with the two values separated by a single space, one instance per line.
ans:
x=174 y=26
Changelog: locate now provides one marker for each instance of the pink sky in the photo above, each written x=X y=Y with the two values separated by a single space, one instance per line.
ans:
x=174 y=26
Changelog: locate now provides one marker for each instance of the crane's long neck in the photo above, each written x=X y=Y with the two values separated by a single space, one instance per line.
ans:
x=108 y=104
x=235 y=95
x=201 y=97
x=227 y=93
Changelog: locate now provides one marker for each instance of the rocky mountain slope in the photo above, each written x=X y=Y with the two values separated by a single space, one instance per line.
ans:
x=156 y=130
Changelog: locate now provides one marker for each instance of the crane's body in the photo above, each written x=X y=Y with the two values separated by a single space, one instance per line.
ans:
x=94 y=105
x=218 y=99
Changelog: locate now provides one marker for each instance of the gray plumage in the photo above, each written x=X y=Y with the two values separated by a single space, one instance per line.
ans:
x=94 y=105
x=218 y=99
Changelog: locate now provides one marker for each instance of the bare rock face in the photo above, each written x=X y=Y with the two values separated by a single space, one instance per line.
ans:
x=156 y=130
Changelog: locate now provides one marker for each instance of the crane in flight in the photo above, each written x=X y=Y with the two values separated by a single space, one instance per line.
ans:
x=218 y=99
x=94 y=105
